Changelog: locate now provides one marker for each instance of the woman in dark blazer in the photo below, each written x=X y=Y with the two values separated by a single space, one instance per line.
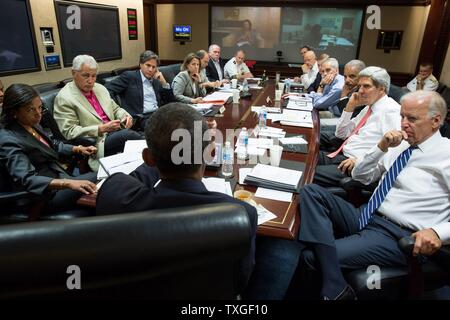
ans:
x=32 y=159
x=186 y=85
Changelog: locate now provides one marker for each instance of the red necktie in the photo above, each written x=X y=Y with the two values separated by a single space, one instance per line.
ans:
x=355 y=131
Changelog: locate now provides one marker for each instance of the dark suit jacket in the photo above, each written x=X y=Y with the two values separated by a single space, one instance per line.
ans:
x=121 y=193
x=128 y=86
x=315 y=85
x=30 y=163
x=211 y=71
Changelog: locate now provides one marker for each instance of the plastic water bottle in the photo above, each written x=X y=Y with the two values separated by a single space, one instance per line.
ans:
x=242 y=144
x=287 y=84
x=263 y=117
x=245 y=85
x=227 y=160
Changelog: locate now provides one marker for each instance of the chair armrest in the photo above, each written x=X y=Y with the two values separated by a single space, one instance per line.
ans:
x=348 y=184
x=84 y=141
x=16 y=195
x=406 y=244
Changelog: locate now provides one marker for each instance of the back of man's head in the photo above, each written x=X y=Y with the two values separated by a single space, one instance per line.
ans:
x=174 y=135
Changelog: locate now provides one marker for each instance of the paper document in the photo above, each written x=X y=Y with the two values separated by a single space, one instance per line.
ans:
x=134 y=146
x=218 y=96
x=252 y=150
x=293 y=140
x=121 y=162
x=243 y=173
x=264 y=215
x=260 y=143
x=274 y=194
x=218 y=185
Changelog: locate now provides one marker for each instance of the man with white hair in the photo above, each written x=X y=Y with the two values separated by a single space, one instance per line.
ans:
x=85 y=108
x=330 y=88
x=411 y=200
x=214 y=70
x=310 y=69
x=362 y=132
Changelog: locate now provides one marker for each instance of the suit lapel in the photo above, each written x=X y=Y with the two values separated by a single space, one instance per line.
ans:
x=28 y=139
x=82 y=101
x=140 y=87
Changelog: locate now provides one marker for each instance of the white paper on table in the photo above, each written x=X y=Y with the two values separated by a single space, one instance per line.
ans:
x=217 y=96
x=134 y=146
x=217 y=185
x=257 y=109
x=252 y=150
x=273 y=194
x=260 y=143
x=255 y=79
x=121 y=162
x=293 y=140
x=264 y=215
x=243 y=173
x=297 y=124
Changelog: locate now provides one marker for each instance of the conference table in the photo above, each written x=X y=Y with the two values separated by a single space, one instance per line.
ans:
x=236 y=116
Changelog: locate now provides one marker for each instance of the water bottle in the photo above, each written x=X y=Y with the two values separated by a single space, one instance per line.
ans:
x=287 y=84
x=263 y=117
x=242 y=145
x=245 y=85
x=227 y=160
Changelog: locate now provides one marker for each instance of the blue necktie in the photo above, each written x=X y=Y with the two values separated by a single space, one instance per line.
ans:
x=386 y=184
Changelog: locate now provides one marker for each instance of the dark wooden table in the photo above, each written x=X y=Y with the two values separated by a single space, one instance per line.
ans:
x=236 y=116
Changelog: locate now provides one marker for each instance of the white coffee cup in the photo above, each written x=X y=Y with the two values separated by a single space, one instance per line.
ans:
x=278 y=94
x=281 y=86
x=275 y=155
x=233 y=83
x=235 y=96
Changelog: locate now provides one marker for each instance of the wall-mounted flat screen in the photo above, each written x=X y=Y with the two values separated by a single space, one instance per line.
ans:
x=18 y=51
x=262 y=31
x=181 y=33
x=86 y=28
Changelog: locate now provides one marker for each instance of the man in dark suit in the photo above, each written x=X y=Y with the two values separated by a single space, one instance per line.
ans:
x=175 y=185
x=141 y=92
x=214 y=70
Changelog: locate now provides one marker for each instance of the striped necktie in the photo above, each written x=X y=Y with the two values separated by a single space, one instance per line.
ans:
x=383 y=188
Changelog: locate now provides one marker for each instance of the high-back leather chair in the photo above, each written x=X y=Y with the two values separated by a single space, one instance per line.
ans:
x=170 y=71
x=179 y=253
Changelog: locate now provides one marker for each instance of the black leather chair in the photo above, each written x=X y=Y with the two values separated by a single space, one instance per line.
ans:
x=412 y=281
x=170 y=71
x=118 y=71
x=101 y=76
x=396 y=92
x=180 y=253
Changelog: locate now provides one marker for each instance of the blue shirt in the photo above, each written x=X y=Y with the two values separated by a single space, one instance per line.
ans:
x=328 y=99
x=150 y=100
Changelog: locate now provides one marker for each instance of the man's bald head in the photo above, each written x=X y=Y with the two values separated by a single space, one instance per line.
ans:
x=310 y=58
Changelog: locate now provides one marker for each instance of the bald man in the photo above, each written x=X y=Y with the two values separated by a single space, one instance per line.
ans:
x=310 y=70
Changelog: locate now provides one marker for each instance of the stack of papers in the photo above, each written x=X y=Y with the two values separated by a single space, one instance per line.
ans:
x=300 y=103
x=293 y=140
x=274 y=178
x=273 y=194
x=218 y=97
x=257 y=109
x=270 y=132
x=293 y=118
x=218 y=185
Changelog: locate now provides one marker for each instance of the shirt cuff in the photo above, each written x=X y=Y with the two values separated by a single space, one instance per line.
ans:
x=443 y=231
x=166 y=86
x=346 y=116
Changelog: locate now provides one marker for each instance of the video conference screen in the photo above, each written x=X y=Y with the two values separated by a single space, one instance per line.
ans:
x=262 y=31
x=18 y=51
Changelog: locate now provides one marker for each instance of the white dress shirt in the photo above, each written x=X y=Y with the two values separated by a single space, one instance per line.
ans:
x=430 y=84
x=308 y=78
x=385 y=117
x=150 y=100
x=231 y=68
x=420 y=196
x=218 y=68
